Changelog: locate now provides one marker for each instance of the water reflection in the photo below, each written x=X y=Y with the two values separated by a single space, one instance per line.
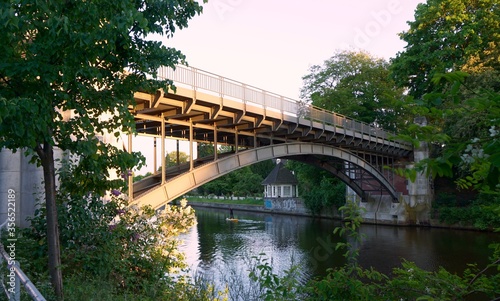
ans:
x=219 y=249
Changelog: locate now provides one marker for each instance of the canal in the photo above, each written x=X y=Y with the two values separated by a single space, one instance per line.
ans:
x=222 y=252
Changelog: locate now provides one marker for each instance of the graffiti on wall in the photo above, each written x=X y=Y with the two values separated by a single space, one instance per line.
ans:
x=268 y=204
x=281 y=204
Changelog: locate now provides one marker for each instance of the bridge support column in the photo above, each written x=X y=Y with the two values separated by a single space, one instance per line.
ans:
x=25 y=182
x=191 y=138
x=163 y=165
x=215 y=142
x=154 y=155
x=380 y=209
x=414 y=202
x=420 y=193
x=131 y=175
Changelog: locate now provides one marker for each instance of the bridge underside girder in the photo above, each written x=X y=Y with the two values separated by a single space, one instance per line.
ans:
x=361 y=181
x=215 y=119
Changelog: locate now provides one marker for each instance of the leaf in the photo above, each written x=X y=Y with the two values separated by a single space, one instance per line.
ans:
x=455 y=76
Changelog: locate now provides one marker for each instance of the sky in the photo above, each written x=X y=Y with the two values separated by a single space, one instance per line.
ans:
x=272 y=44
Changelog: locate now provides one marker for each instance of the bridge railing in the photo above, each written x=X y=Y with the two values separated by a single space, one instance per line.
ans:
x=15 y=276
x=202 y=80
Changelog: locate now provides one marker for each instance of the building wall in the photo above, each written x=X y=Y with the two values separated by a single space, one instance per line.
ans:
x=282 y=190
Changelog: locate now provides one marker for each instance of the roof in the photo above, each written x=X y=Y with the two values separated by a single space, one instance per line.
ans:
x=280 y=175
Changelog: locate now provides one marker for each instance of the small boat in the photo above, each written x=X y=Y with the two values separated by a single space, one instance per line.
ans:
x=231 y=219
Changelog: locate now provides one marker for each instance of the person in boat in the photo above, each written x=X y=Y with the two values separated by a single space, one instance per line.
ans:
x=231 y=215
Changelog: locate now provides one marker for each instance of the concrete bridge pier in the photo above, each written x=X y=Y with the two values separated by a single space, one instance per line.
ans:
x=415 y=201
x=418 y=202
x=413 y=208
x=21 y=186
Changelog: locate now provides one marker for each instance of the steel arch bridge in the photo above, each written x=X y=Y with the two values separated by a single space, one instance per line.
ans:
x=259 y=125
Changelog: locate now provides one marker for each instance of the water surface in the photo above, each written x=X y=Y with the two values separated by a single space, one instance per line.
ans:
x=223 y=251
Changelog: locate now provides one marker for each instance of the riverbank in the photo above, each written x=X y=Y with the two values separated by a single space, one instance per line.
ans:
x=257 y=205
x=241 y=207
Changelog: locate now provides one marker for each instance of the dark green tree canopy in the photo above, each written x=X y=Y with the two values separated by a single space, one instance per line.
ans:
x=357 y=85
x=448 y=35
x=319 y=188
x=451 y=66
x=64 y=65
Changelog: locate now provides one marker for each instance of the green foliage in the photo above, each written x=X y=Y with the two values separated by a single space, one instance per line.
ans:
x=447 y=35
x=482 y=213
x=55 y=62
x=409 y=282
x=263 y=168
x=113 y=252
x=451 y=68
x=272 y=286
x=416 y=284
x=241 y=182
x=140 y=177
x=473 y=161
x=319 y=188
x=128 y=246
x=205 y=149
x=352 y=219
x=346 y=284
x=68 y=73
x=171 y=158
x=357 y=85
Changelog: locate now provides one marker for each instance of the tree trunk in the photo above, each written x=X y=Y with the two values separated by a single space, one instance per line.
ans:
x=47 y=157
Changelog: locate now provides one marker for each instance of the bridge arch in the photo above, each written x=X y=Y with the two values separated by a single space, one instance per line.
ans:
x=351 y=169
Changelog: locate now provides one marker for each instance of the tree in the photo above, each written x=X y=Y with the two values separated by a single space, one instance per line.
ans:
x=171 y=158
x=83 y=59
x=357 y=85
x=447 y=35
x=205 y=149
x=246 y=182
x=241 y=182
x=478 y=157
x=318 y=187
x=447 y=39
x=263 y=168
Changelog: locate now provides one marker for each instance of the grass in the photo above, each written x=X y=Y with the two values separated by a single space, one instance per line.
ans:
x=248 y=201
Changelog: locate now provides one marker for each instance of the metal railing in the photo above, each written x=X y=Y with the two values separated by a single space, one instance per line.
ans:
x=202 y=80
x=15 y=277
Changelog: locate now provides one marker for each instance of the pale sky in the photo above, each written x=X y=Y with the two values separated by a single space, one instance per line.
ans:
x=272 y=44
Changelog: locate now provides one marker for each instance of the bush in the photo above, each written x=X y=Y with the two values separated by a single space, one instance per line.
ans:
x=482 y=213
x=132 y=250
